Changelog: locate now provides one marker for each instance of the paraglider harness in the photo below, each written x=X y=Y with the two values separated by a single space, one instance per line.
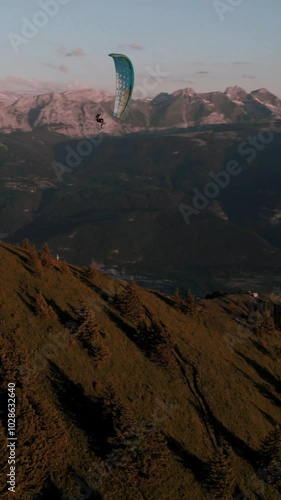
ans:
x=100 y=120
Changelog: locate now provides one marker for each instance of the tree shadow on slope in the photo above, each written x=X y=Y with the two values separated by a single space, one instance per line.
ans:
x=84 y=411
x=49 y=491
x=129 y=331
x=224 y=434
x=62 y=315
x=154 y=344
x=81 y=486
x=28 y=300
x=165 y=299
x=23 y=259
x=199 y=469
x=91 y=285
x=267 y=394
x=80 y=274
x=266 y=415
x=262 y=372
x=188 y=460
x=102 y=295
x=261 y=348
x=261 y=388
x=95 y=351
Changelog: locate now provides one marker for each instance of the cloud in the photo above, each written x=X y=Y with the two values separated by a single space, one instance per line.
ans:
x=180 y=80
x=134 y=46
x=59 y=67
x=239 y=63
x=202 y=74
x=78 y=52
x=249 y=77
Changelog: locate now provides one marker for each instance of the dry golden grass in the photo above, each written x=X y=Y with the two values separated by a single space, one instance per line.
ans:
x=222 y=386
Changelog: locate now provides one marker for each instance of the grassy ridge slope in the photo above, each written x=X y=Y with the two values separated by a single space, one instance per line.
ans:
x=220 y=386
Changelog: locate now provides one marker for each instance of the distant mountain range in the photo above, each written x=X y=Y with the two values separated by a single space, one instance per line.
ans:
x=72 y=112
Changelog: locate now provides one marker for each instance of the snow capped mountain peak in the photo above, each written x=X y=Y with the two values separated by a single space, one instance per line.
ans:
x=7 y=97
x=263 y=94
x=267 y=99
x=185 y=92
x=235 y=92
x=91 y=94
x=261 y=91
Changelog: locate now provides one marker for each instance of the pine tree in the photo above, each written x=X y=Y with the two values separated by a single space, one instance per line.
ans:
x=189 y=304
x=88 y=329
x=82 y=312
x=266 y=325
x=163 y=353
x=138 y=455
x=56 y=435
x=155 y=341
x=45 y=256
x=90 y=272
x=43 y=447
x=220 y=478
x=34 y=260
x=135 y=451
x=26 y=244
x=32 y=450
x=43 y=309
x=89 y=333
x=178 y=299
x=112 y=407
x=128 y=302
x=270 y=456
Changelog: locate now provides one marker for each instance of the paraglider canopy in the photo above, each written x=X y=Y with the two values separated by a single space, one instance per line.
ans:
x=124 y=83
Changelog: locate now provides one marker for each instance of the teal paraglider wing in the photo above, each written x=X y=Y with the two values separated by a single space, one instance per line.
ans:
x=124 y=83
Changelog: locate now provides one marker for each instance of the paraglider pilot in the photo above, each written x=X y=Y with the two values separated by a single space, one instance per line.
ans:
x=100 y=120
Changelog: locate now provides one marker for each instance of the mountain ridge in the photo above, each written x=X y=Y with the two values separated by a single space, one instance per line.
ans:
x=72 y=112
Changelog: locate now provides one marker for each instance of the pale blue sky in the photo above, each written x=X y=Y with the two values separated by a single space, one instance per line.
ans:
x=186 y=38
